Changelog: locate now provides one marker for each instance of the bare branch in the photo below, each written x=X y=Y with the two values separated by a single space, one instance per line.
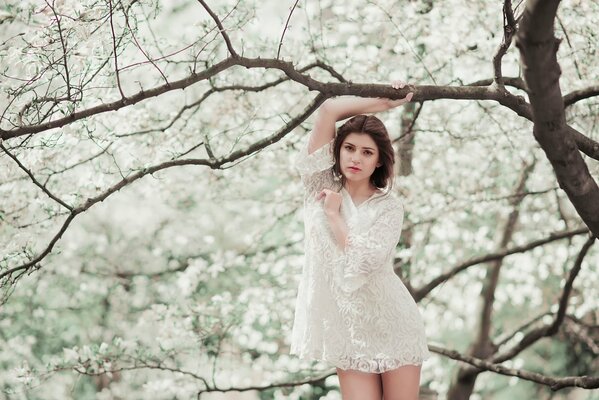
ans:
x=509 y=29
x=285 y=29
x=516 y=82
x=35 y=181
x=581 y=94
x=64 y=49
x=221 y=28
x=11 y=275
x=138 y=45
x=581 y=334
x=421 y=93
x=309 y=381
x=419 y=294
x=551 y=329
x=116 y=62
x=555 y=383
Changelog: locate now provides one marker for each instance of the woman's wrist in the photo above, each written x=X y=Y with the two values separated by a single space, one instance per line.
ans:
x=332 y=214
x=338 y=227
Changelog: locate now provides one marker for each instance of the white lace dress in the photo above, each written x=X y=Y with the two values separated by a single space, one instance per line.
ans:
x=352 y=310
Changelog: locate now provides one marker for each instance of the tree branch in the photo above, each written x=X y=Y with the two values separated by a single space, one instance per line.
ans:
x=421 y=93
x=581 y=94
x=509 y=29
x=11 y=275
x=551 y=329
x=221 y=28
x=35 y=181
x=114 y=49
x=555 y=383
x=285 y=29
x=420 y=293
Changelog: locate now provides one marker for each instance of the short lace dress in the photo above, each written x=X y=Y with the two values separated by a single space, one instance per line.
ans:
x=352 y=310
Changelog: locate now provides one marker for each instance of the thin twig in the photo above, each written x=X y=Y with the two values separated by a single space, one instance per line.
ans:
x=285 y=29
x=116 y=63
x=10 y=276
x=221 y=29
x=35 y=181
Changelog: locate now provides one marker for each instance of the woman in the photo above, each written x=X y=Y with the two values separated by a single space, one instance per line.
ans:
x=352 y=310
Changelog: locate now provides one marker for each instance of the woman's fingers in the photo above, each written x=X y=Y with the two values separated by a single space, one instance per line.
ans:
x=321 y=194
x=399 y=102
x=398 y=84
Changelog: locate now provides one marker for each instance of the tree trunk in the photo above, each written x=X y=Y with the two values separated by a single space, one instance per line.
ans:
x=538 y=48
x=483 y=347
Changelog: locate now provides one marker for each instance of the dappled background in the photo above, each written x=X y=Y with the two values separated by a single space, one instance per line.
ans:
x=151 y=218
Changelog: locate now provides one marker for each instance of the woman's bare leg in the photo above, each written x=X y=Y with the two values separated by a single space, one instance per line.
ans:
x=358 y=385
x=402 y=383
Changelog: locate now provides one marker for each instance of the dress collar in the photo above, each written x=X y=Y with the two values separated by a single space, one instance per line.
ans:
x=379 y=192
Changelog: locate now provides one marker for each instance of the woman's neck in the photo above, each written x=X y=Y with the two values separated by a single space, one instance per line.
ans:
x=359 y=189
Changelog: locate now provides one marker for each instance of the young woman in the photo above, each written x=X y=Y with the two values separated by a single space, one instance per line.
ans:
x=352 y=310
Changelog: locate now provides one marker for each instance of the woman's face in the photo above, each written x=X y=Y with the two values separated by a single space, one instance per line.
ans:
x=358 y=156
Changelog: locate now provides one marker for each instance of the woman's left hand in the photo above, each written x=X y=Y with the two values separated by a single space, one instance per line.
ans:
x=332 y=201
x=399 y=102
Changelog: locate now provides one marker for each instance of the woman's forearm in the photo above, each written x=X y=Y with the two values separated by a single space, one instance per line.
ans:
x=344 y=107
x=339 y=228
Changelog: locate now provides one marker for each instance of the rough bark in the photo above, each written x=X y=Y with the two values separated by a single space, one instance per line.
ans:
x=538 y=54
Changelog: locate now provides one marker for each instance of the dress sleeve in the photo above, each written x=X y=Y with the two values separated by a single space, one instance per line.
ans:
x=367 y=251
x=315 y=168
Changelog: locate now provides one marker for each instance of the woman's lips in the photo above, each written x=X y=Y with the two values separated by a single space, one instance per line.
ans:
x=354 y=169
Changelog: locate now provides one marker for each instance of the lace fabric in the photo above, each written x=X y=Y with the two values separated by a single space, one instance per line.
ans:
x=352 y=310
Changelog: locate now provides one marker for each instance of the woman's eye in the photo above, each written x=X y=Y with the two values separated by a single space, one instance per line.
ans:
x=368 y=152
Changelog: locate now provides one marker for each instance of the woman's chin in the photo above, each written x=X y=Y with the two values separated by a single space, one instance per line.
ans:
x=352 y=178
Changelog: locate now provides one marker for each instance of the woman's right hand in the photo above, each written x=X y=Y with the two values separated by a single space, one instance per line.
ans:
x=332 y=201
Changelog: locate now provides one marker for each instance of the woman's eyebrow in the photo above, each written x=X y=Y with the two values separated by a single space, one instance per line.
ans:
x=369 y=148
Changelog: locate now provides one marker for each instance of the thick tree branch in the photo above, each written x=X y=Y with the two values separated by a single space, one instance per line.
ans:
x=421 y=93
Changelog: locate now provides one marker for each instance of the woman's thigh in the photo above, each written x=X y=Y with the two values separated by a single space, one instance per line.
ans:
x=402 y=383
x=358 y=385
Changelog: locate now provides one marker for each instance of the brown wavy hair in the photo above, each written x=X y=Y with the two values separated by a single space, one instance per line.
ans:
x=374 y=127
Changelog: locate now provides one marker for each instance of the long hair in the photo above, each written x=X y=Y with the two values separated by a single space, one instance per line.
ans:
x=374 y=127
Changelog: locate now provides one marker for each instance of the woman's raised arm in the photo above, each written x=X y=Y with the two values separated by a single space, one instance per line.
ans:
x=339 y=108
